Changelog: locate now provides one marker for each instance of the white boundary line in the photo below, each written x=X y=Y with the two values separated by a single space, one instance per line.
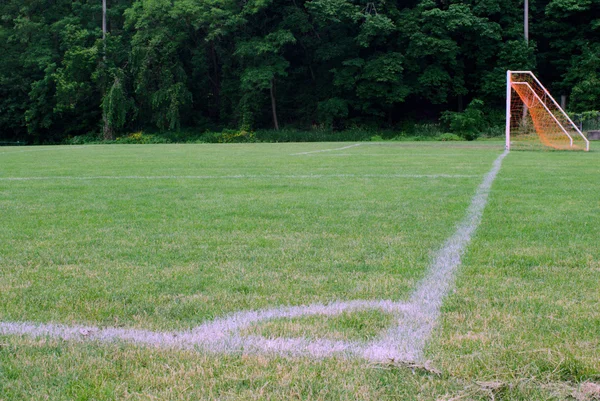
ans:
x=230 y=177
x=416 y=318
x=327 y=150
x=71 y=147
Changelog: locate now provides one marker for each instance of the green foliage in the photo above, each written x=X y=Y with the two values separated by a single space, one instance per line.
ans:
x=89 y=138
x=449 y=137
x=584 y=76
x=467 y=124
x=588 y=120
x=314 y=135
x=116 y=104
x=229 y=136
x=140 y=138
x=333 y=109
x=184 y=65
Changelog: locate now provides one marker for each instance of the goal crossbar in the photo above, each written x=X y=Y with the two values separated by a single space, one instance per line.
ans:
x=545 y=120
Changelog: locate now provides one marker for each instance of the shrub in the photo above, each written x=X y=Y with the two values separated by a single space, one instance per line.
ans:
x=229 y=136
x=140 y=138
x=314 y=135
x=587 y=120
x=449 y=137
x=83 y=139
x=467 y=124
x=233 y=136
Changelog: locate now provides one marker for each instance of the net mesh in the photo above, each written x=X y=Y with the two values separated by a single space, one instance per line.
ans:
x=536 y=120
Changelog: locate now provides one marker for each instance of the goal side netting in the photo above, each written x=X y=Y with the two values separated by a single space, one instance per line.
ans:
x=534 y=120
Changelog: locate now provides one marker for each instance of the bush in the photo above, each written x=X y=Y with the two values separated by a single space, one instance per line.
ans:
x=229 y=136
x=587 y=120
x=449 y=137
x=314 y=135
x=140 y=138
x=467 y=124
x=83 y=139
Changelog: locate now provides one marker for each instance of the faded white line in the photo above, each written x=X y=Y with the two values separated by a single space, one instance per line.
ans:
x=45 y=149
x=229 y=177
x=222 y=335
x=409 y=337
x=405 y=341
x=326 y=150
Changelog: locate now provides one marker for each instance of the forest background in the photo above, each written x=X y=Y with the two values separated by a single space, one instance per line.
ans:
x=179 y=70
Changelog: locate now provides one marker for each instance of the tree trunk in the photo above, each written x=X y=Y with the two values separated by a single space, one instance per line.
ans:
x=107 y=132
x=274 y=105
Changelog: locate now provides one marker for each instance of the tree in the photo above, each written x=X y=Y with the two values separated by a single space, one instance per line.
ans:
x=211 y=64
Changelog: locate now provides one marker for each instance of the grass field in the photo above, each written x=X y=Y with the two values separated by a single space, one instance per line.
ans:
x=167 y=237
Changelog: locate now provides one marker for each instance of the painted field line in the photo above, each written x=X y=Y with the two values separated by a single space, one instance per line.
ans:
x=45 y=149
x=222 y=334
x=410 y=336
x=229 y=177
x=398 y=155
x=404 y=342
x=326 y=150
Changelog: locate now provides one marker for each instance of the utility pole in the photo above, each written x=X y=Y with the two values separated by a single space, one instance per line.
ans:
x=526 y=21
x=106 y=129
x=526 y=34
x=104 y=19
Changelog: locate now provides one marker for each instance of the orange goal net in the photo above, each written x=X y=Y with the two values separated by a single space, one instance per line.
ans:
x=535 y=120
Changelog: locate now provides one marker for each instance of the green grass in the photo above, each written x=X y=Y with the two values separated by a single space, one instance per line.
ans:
x=349 y=326
x=526 y=305
x=170 y=253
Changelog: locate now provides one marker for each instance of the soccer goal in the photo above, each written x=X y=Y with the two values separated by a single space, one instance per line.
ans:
x=534 y=119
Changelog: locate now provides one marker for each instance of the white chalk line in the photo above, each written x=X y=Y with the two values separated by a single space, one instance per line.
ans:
x=406 y=341
x=45 y=149
x=327 y=150
x=230 y=177
x=391 y=145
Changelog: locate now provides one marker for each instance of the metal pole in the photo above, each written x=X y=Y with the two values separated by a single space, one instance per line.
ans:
x=508 y=103
x=104 y=19
x=526 y=21
x=106 y=129
x=526 y=34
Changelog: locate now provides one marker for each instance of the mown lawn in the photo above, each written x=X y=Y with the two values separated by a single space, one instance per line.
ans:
x=526 y=312
x=168 y=236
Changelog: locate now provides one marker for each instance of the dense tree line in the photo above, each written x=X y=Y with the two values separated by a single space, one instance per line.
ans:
x=171 y=64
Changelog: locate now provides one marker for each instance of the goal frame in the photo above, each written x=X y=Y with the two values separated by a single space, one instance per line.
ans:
x=572 y=125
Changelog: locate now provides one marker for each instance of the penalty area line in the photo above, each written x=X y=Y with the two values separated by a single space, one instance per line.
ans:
x=326 y=150
x=230 y=177
x=44 y=149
